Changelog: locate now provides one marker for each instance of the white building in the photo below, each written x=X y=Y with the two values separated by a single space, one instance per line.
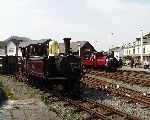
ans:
x=118 y=52
x=134 y=49
x=12 y=45
x=128 y=50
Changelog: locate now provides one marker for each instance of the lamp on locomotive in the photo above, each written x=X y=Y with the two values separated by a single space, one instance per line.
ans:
x=53 y=48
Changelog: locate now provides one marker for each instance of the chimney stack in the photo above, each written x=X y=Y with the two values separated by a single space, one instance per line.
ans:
x=67 y=45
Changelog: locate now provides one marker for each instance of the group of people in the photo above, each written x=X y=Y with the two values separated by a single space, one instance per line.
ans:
x=134 y=62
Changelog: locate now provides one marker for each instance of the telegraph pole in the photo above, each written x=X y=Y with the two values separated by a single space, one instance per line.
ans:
x=141 y=46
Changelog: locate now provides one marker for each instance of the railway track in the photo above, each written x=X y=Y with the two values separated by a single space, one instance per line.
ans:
x=114 y=89
x=97 y=111
x=132 y=77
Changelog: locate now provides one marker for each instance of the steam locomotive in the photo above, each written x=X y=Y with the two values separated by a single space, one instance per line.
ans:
x=42 y=62
x=99 y=60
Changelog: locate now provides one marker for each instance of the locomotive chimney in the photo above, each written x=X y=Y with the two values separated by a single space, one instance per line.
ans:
x=67 y=45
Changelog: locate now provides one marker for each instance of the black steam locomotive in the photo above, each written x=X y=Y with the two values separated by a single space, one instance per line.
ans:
x=41 y=62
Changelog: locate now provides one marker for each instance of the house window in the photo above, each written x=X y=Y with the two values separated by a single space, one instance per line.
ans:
x=11 y=50
x=138 y=49
x=133 y=50
x=144 y=50
x=139 y=42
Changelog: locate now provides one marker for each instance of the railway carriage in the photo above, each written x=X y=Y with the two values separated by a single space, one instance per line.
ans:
x=97 y=60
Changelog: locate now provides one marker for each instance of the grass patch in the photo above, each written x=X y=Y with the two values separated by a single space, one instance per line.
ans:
x=6 y=89
x=9 y=93
x=4 y=77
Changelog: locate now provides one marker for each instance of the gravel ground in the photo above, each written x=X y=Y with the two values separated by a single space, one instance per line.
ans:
x=118 y=103
x=29 y=109
x=27 y=104
x=123 y=84
x=135 y=69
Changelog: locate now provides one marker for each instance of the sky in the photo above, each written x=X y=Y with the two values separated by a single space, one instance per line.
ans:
x=90 y=20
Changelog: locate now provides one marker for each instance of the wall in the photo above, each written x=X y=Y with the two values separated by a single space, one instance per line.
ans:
x=138 y=50
x=128 y=51
x=125 y=51
x=147 y=49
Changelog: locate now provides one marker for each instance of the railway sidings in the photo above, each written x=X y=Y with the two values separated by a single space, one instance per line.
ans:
x=117 y=90
x=132 y=77
x=127 y=91
x=95 y=110
x=99 y=110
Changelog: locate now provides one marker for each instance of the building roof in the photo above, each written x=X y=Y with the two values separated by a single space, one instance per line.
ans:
x=147 y=35
x=16 y=39
x=33 y=42
x=115 y=49
x=73 y=45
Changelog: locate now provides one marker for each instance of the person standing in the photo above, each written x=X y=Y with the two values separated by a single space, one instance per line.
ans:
x=132 y=62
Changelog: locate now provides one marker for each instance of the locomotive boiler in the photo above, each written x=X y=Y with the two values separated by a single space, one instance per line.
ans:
x=42 y=62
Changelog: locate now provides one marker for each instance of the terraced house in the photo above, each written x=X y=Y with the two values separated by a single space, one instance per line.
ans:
x=136 y=51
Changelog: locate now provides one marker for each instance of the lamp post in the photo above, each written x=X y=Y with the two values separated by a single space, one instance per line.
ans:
x=79 y=48
x=141 y=46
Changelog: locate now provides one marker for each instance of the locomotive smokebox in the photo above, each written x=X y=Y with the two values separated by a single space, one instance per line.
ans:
x=67 y=45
